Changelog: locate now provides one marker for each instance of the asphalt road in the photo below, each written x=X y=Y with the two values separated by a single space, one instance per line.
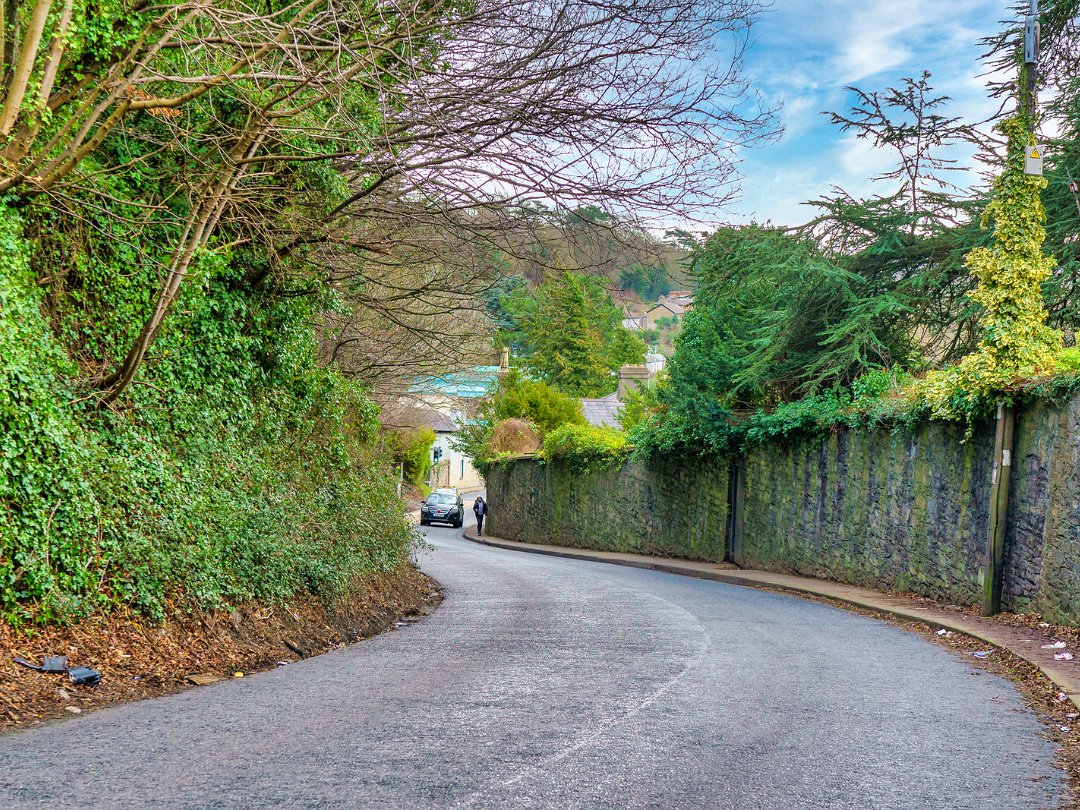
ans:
x=543 y=682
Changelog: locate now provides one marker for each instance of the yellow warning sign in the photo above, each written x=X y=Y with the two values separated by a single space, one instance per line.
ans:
x=1033 y=160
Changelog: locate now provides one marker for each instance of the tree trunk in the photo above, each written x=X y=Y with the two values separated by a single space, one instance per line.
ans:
x=197 y=233
x=24 y=66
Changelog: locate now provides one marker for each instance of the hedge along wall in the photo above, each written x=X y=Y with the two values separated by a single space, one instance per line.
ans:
x=661 y=508
x=906 y=511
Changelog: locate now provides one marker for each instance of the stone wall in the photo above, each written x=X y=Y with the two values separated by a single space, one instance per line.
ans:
x=662 y=508
x=1050 y=460
x=906 y=511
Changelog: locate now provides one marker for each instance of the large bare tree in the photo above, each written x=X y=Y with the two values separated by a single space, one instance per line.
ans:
x=434 y=114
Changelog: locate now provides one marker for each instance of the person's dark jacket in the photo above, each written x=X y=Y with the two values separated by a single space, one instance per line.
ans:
x=480 y=507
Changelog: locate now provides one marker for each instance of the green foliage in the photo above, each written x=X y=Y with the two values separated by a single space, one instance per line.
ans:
x=776 y=320
x=804 y=321
x=570 y=334
x=637 y=405
x=501 y=301
x=624 y=348
x=648 y=282
x=233 y=467
x=237 y=470
x=584 y=448
x=536 y=402
x=878 y=398
x=1069 y=360
x=649 y=336
x=1063 y=218
x=1016 y=343
x=474 y=438
x=517 y=397
x=792 y=331
x=412 y=448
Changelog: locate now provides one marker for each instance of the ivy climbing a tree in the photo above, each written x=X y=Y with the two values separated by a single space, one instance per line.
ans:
x=1016 y=343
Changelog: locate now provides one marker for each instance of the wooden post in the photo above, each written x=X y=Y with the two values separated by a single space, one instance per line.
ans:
x=994 y=567
x=736 y=498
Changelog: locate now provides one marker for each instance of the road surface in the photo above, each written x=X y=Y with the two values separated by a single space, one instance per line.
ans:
x=543 y=682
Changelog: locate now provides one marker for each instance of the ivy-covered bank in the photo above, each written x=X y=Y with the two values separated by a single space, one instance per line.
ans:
x=905 y=509
x=234 y=469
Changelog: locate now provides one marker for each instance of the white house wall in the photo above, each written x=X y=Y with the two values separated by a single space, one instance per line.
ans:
x=455 y=470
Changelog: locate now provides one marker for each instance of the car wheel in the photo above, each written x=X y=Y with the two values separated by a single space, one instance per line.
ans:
x=425 y=522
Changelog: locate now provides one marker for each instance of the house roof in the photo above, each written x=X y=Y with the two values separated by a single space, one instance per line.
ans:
x=674 y=309
x=682 y=299
x=602 y=411
x=398 y=415
x=471 y=384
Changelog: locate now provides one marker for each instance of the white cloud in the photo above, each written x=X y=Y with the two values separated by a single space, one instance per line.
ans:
x=800 y=114
x=858 y=161
x=807 y=52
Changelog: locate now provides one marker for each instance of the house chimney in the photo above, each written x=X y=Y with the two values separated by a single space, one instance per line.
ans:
x=631 y=377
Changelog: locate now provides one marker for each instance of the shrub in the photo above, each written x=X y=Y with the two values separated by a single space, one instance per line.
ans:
x=536 y=402
x=237 y=468
x=514 y=436
x=412 y=448
x=586 y=447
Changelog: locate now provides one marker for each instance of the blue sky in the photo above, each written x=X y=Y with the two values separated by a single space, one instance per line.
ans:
x=806 y=51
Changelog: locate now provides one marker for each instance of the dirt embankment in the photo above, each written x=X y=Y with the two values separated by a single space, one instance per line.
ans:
x=140 y=659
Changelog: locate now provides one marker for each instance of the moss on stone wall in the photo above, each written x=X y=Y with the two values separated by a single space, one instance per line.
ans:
x=873 y=508
x=891 y=510
x=662 y=508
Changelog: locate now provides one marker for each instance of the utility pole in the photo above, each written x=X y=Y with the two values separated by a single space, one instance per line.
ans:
x=1029 y=82
x=993 y=569
x=993 y=572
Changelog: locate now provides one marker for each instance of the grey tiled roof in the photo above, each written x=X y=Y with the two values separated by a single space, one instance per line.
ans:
x=411 y=416
x=600 y=412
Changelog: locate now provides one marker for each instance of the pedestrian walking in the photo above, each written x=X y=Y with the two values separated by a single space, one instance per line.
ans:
x=479 y=508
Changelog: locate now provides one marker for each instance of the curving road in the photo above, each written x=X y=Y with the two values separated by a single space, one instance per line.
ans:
x=544 y=682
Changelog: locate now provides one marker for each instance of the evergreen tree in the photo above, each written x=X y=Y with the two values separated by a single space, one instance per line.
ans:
x=570 y=335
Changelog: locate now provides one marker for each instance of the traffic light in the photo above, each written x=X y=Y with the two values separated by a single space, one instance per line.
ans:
x=437 y=454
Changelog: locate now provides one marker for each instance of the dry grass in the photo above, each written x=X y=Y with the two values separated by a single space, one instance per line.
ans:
x=515 y=436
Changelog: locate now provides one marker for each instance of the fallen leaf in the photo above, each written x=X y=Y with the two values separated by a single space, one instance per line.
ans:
x=204 y=679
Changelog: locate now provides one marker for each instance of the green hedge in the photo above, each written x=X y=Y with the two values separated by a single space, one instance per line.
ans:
x=585 y=447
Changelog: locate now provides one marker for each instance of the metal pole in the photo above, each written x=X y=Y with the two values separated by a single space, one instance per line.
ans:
x=1031 y=58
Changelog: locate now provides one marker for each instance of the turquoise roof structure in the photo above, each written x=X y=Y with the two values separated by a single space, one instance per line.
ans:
x=471 y=384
